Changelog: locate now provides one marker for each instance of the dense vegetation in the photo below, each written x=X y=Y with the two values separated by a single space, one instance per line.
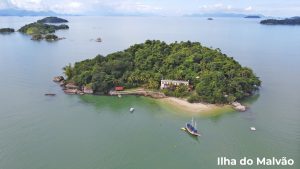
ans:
x=287 y=21
x=213 y=76
x=51 y=37
x=252 y=16
x=40 y=28
x=52 y=19
x=6 y=30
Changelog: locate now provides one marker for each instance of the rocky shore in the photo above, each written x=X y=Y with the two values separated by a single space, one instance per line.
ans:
x=239 y=107
x=72 y=88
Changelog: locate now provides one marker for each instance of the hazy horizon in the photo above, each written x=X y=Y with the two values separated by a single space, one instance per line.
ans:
x=276 y=8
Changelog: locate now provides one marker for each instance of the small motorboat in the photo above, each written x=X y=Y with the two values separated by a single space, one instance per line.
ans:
x=131 y=109
x=252 y=128
x=191 y=128
x=98 y=40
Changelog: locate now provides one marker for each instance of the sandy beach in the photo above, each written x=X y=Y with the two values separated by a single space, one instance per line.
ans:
x=194 y=108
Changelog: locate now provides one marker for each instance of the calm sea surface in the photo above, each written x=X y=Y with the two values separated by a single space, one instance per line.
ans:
x=93 y=132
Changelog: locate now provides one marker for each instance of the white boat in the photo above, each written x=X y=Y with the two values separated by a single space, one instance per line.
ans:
x=131 y=109
x=252 y=128
x=119 y=95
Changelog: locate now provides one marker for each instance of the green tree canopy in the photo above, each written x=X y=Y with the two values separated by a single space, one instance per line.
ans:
x=215 y=77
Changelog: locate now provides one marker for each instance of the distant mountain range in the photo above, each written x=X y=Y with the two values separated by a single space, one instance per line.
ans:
x=20 y=12
x=238 y=15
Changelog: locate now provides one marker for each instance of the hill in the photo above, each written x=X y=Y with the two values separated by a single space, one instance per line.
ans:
x=6 y=30
x=213 y=77
x=252 y=16
x=40 y=28
x=20 y=12
x=52 y=19
x=288 y=21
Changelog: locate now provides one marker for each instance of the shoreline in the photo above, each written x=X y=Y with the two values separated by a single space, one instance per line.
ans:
x=182 y=105
x=174 y=103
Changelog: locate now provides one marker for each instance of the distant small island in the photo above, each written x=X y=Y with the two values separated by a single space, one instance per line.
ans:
x=52 y=19
x=6 y=30
x=287 y=21
x=39 y=30
x=186 y=70
x=252 y=16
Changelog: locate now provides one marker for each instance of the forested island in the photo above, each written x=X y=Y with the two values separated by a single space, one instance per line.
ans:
x=195 y=72
x=287 y=21
x=52 y=19
x=6 y=30
x=252 y=16
x=39 y=30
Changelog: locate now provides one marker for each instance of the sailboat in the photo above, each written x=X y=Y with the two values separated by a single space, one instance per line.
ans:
x=192 y=128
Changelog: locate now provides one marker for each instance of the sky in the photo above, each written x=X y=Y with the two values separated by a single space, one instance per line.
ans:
x=158 y=7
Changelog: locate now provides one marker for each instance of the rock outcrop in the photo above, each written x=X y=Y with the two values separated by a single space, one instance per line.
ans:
x=98 y=40
x=87 y=90
x=71 y=86
x=58 y=78
x=239 y=107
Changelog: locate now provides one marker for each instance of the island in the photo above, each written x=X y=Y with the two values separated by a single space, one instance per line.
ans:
x=185 y=70
x=39 y=30
x=252 y=16
x=52 y=19
x=288 y=21
x=6 y=30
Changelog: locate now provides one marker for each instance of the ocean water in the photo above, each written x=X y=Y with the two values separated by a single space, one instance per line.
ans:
x=98 y=132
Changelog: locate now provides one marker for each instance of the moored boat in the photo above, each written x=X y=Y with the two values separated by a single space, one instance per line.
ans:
x=192 y=129
x=50 y=94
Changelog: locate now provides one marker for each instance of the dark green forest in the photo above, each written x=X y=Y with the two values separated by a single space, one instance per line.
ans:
x=41 y=28
x=288 y=21
x=6 y=30
x=214 y=77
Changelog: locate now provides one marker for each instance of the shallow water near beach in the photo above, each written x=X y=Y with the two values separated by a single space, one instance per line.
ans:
x=95 y=132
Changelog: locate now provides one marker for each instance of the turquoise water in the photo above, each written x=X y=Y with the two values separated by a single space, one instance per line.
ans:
x=75 y=132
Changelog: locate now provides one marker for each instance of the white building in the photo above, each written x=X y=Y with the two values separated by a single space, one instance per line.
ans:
x=166 y=83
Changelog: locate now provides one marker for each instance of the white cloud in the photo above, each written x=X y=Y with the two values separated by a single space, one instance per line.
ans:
x=68 y=7
x=27 y=4
x=60 y=6
x=135 y=7
x=219 y=7
x=81 y=6
x=3 y=4
x=249 y=8
x=165 y=7
x=215 y=7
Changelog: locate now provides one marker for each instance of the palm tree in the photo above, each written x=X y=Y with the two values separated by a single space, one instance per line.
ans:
x=68 y=71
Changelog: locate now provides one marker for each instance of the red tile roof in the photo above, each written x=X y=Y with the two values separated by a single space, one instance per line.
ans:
x=119 y=88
